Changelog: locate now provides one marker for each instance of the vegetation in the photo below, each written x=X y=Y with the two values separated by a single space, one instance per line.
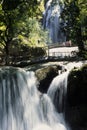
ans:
x=74 y=17
x=19 y=25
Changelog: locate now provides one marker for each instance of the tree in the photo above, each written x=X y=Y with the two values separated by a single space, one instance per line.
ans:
x=72 y=16
x=12 y=14
x=32 y=33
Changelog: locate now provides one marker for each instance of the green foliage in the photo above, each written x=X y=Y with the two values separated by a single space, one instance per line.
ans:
x=18 y=24
x=12 y=14
x=23 y=50
x=24 y=6
x=74 y=16
x=32 y=33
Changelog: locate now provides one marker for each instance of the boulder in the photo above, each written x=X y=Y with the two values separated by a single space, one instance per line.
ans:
x=76 y=110
x=77 y=86
x=45 y=76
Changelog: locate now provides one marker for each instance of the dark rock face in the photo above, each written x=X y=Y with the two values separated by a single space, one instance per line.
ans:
x=45 y=76
x=76 y=111
x=76 y=106
x=77 y=87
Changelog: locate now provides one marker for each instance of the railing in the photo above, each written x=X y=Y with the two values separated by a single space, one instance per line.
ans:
x=52 y=53
x=62 y=54
x=63 y=44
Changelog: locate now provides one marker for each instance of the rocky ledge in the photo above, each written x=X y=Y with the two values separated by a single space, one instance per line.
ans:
x=76 y=110
x=45 y=76
x=76 y=106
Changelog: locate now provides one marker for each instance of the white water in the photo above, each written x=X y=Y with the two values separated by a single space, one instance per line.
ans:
x=72 y=65
x=58 y=88
x=21 y=105
x=51 y=21
x=57 y=91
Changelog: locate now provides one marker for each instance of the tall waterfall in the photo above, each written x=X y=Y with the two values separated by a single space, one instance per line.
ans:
x=22 y=107
x=52 y=21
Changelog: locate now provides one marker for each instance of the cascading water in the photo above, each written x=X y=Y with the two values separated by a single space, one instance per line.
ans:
x=57 y=91
x=52 y=21
x=22 y=107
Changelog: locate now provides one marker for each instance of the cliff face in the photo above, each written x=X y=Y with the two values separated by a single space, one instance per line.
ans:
x=76 y=111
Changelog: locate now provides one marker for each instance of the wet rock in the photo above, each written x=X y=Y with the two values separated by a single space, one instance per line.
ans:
x=45 y=76
x=77 y=86
x=76 y=110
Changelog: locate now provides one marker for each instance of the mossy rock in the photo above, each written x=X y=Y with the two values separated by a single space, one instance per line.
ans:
x=46 y=75
x=76 y=110
x=77 y=86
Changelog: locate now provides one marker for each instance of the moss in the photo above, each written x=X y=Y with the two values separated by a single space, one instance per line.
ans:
x=45 y=76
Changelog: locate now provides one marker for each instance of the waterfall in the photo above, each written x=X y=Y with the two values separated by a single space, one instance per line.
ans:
x=22 y=107
x=52 y=21
x=57 y=91
x=58 y=88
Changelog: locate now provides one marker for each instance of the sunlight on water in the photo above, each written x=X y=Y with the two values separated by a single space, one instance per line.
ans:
x=58 y=89
x=46 y=127
x=42 y=127
x=21 y=105
x=71 y=65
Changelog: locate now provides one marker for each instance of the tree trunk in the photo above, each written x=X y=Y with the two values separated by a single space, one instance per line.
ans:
x=79 y=39
x=7 y=53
